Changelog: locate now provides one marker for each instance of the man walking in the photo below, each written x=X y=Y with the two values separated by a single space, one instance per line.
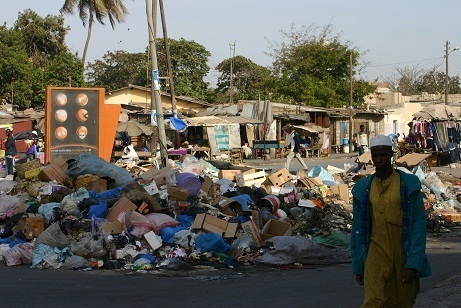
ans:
x=388 y=238
x=294 y=146
x=362 y=140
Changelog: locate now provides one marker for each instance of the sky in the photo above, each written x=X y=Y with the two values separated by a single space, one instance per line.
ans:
x=391 y=33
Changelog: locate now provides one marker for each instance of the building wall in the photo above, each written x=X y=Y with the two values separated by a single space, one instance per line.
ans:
x=374 y=125
x=143 y=99
x=397 y=118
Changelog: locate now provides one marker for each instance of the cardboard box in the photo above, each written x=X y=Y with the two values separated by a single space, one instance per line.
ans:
x=178 y=193
x=249 y=179
x=228 y=206
x=280 y=177
x=159 y=176
x=342 y=190
x=56 y=170
x=31 y=225
x=207 y=184
x=214 y=224
x=250 y=229
x=151 y=188
x=228 y=174
x=119 y=209
x=111 y=227
x=275 y=228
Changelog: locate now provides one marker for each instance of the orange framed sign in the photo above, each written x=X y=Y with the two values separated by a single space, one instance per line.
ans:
x=72 y=121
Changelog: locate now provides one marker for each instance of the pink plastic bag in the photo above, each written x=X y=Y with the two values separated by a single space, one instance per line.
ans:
x=136 y=224
x=160 y=221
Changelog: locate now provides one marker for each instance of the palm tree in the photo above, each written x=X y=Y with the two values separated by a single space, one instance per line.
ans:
x=88 y=10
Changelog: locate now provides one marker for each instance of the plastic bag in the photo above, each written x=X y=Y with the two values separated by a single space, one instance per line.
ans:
x=211 y=242
x=88 y=246
x=181 y=238
x=433 y=182
x=7 y=203
x=298 y=249
x=167 y=234
x=98 y=210
x=75 y=262
x=160 y=221
x=53 y=237
x=136 y=224
x=324 y=175
x=191 y=165
x=46 y=210
x=19 y=254
x=91 y=164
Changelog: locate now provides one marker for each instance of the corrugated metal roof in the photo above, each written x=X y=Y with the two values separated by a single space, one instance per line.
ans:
x=207 y=121
x=241 y=120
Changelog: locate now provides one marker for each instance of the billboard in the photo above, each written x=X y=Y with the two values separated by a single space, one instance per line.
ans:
x=72 y=121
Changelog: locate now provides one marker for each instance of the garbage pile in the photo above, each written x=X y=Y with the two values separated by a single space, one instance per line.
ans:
x=89 y=214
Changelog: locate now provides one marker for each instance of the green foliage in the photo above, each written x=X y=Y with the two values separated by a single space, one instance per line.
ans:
x=189 y=64
x=313 y=69
x=33 y=55
x=44 y=37
x=118 y=69
x=249 y=80
x=433 y=81
x=89 y=10
x=188 y=59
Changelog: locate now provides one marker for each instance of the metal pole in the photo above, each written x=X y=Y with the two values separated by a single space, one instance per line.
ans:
x=446 y=73
x=156 y=100
x=174 y=110
x=350 y=107
x=232 y=55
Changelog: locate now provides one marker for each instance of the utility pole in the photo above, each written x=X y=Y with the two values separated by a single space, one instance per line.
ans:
x=232 y=55
x=350 y=107
x=170 y=69
x=156 y=100
x=446 y=71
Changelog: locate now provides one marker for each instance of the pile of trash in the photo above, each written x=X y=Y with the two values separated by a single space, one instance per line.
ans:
x=89 y=214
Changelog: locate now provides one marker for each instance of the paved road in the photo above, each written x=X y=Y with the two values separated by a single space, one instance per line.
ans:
x=316 y=286
x=320 y=286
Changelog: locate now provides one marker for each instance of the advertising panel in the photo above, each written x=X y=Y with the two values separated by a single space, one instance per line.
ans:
x=72 y=126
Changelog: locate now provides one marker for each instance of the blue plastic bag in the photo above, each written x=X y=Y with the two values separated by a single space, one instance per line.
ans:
x=211 y=242
x=324 y=175
x=98 y=210
x=167 y=233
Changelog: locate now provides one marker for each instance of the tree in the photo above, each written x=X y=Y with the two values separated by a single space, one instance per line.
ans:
x=405 y=79
x=33 y=55
x=189 y=64
x=314 y=69
x=433 y=81
x=118 y=69
x=188 y=59
x=89 y=10
x=44 y=37
x=248 y=78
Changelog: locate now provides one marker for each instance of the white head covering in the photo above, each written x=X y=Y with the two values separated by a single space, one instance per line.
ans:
x=381 y=140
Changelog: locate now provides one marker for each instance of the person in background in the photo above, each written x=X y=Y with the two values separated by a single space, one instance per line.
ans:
x=31 y=152
x=10 y=151
x=388 y=237
x=362 y=140
x=394 y=137
x=294 y=146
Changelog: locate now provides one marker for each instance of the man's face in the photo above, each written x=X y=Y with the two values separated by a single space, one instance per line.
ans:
x=381 y=156
x=362 y=128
